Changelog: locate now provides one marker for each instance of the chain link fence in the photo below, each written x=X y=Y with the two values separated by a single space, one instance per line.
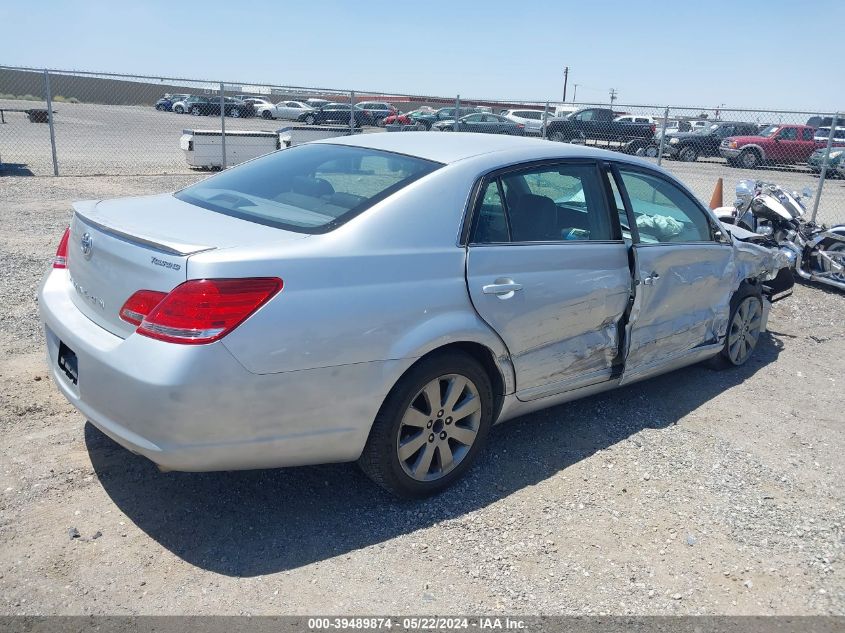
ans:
x=75 y=123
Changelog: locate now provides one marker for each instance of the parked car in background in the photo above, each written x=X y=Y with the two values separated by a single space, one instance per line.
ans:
x=704 y=141
x=165 y=104
x=635 y=118
x=483 y=122
x=256 y=102
x=378 y=110
x=210 y=106
x=823 y=133
x=776 y=144
x=290 y=110
x=250 y=97
x=531 y=119
x=700 y=124
x=179 y=106
x=335 y=113
x=317 y=103
x=408 y=118
x=443 y=114
x=816 y=160
x=312 y=305
x=565 y=110
x=597 y=124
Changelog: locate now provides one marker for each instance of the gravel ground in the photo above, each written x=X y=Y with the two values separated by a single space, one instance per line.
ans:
x=699 y=492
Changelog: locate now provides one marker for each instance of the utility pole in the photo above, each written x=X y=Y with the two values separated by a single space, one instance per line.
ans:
x=565 y=79
x=574 y=92
x=612 y=96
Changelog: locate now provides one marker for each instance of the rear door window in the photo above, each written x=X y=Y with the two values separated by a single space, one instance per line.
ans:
x=552 y=203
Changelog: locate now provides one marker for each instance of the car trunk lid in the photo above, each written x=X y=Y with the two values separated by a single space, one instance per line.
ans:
x=118 y=247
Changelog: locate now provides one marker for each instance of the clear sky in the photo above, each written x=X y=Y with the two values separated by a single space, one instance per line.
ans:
x=752 y=53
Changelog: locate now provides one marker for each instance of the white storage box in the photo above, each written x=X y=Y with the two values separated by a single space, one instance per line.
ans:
x=203 y=148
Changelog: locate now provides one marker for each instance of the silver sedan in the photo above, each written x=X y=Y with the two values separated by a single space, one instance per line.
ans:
x=386 y=298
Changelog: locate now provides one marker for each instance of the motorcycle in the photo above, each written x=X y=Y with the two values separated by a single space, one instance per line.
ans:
x=816 y=252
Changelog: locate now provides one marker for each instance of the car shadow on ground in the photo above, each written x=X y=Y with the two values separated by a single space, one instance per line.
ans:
x=259 y=522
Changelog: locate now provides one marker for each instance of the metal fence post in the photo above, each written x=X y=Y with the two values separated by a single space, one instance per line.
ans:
x=545 y=118
x=663 y=135
x=457 y=111
x=223 y=125
x=49 y=98
x=824 y=167
x=352 y=112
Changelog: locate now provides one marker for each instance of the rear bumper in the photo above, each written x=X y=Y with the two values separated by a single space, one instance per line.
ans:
x=196 y=408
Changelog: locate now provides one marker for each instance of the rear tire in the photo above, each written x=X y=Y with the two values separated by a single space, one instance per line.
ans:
x=743 y=328
x=310 y=119
x=179 y=110
x=266 y=114
x=418 y=444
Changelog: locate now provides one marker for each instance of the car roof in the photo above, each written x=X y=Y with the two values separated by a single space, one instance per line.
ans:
x=456 y=146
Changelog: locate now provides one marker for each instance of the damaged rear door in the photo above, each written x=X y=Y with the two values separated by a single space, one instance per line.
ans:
x=548 y=270
x=683 y=273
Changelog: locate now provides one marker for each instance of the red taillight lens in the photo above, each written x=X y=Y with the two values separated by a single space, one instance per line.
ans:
x=205 y=310
x=60 y=260
x=140 y=305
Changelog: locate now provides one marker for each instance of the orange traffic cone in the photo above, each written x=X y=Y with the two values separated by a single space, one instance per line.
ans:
x=717 y=199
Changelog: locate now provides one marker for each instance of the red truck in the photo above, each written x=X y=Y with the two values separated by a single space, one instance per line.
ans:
x=774 y=144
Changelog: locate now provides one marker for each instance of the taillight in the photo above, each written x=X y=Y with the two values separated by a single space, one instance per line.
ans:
x=140 y=305
x=206 y=310
x=60 y=260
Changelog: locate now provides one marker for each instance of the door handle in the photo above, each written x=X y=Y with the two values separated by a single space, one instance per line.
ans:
x=651 y=279
x=501 y=287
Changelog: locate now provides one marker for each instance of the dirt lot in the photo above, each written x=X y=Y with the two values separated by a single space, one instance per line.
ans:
x=700 y=492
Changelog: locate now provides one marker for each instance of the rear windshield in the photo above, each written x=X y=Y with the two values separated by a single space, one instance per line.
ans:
x=311 y=188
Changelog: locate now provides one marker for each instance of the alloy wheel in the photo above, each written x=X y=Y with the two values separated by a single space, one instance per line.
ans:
x=837 y=253
x=439 y=427
x=744 y=330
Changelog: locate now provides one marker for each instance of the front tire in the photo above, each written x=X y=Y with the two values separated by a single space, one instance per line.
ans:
x=179 y=110
x=195 y=111
x=688 y=154
x=744 y=323
x=651 y=151
x=431 y=426
x=749 y=159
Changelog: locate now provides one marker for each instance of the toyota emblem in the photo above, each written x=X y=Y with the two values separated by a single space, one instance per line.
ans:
x=86 y=244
